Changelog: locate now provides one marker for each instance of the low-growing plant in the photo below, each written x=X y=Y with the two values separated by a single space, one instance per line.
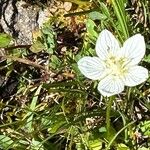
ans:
x=78 y=88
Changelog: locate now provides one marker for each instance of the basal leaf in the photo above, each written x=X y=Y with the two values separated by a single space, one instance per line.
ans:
x=37 y=46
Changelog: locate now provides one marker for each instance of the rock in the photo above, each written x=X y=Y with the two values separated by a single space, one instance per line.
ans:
x=19 y=19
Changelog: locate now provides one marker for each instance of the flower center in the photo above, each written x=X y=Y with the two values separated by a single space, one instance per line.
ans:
x=116 y=66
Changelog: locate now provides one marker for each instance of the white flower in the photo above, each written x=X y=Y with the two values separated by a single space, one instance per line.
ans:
x=115 y=67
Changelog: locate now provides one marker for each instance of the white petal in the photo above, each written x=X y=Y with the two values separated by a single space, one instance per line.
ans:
x=110 y=85
x=136 y=75
x=91 y=67
x=134 y=49
x=106 y=44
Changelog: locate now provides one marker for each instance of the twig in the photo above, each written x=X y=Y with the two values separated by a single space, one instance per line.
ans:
x=25 y=61
x=17 y=46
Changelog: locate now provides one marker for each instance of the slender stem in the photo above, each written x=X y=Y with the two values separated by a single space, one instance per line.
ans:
x=126 y=108
x=129 y=93
x=113 y=139
x=108 y=110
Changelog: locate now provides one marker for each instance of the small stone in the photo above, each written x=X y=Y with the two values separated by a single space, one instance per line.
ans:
x=67 y=6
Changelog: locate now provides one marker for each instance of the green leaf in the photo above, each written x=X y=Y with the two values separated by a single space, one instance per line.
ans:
x=55 y=62
x=49 y=38
x=30 y=114
x=36 y=145
x=122 y=147
x=143 y=148
x=5 y=141
x=51 y=43
x=54 y=128
x=97 y=16
x=119 y=10
x=57 y=122
x=4 y=39
x=95 y=144
x=102 y=130
x=147 y=59
x=37 y=46
x=145 y=128
x=106 y=11
x=90 y=25
x=113 y=139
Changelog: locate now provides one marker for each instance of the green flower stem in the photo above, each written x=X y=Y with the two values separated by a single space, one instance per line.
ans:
x=108 y=110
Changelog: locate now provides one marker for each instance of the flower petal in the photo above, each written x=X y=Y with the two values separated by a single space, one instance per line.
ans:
x=110 y=85
x=136 y=75
x=91 y=67
x=134 y=49
x=106 y=44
